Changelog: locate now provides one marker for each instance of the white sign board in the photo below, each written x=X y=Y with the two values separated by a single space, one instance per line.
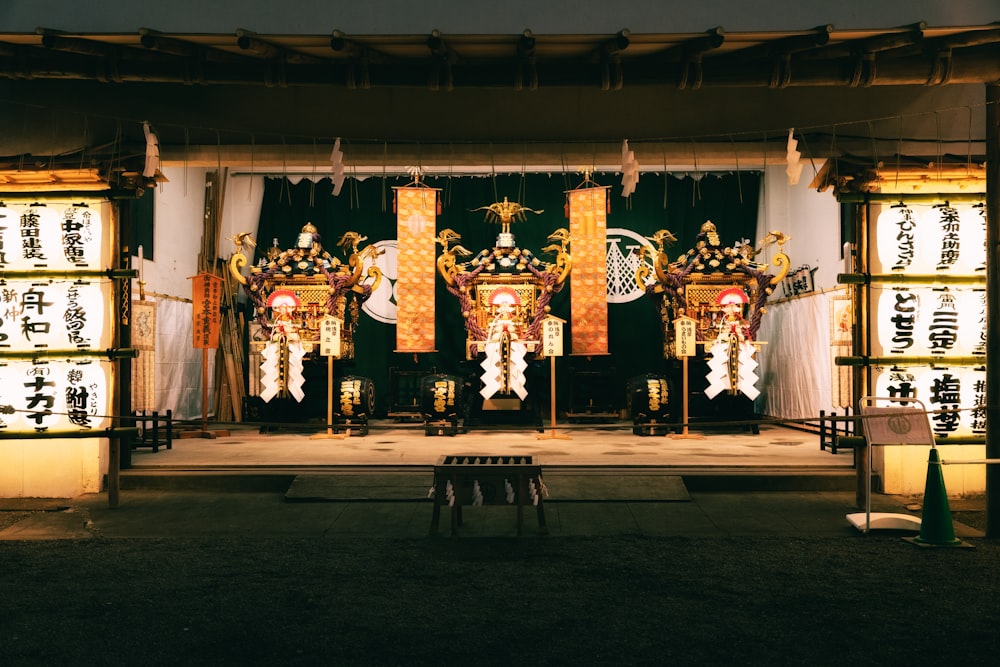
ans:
x=552 y=337
x=896 y=426
x=329 y=336
x=685 y=337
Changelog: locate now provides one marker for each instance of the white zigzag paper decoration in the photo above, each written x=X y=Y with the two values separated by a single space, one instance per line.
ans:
x=630 y=170
x=718 y=371
x=794 y=168
x=269 y=372
x=337 y=167
x=295 y=377
x=748 y=376
x=518 y=365
x=491 y=371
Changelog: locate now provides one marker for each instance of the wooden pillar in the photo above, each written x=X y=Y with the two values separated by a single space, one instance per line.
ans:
x=860 y=343
x=992 y=308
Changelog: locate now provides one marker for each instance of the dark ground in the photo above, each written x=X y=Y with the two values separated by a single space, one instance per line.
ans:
x=630 y=600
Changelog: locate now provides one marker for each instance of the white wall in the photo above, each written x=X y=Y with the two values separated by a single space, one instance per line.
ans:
x=178 y=224
x=241 y=211
x=177 y=231
x=796 y=361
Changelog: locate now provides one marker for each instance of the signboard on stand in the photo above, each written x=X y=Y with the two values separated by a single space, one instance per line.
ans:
x=685 y=345
x=329 y=347
x=685 y=336
x=206 y=295
x=329 y=336
x=206 y=317
x=552 y=347
x=552 y=337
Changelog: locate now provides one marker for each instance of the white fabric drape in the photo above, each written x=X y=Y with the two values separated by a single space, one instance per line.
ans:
x=178 y=363
x=796 y=364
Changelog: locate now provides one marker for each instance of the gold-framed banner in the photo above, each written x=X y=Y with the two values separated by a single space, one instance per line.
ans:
x=416 y=224
x=588 y=225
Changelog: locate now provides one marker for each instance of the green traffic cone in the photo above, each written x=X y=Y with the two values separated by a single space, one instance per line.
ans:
x=936 y=527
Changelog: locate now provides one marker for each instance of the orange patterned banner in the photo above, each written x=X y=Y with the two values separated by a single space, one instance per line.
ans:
x=416 y=223
x=588 y=224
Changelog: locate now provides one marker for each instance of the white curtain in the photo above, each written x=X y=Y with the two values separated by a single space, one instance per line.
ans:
x=796 y=363
x=178 y=363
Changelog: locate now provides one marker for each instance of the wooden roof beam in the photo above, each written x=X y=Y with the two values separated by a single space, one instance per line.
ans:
x=248 y=40
x=868 y=45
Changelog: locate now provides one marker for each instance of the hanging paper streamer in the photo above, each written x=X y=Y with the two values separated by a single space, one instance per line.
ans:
x=630 y=170
x=270 y=371
x=152 y=152
x=295 y=378
x=337 y=167
x=416 y=222
x=588 y=222
x=793 y=159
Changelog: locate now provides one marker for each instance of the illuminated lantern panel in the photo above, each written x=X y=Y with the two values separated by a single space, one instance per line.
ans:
x=54 y=395
x=931 y=239
x=921 y=321
x=941 y=388
x=63 y=315
x=51 y=236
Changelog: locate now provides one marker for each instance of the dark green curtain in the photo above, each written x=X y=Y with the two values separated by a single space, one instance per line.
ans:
x=660 y=201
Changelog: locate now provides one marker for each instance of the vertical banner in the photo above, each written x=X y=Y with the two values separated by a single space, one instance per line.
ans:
x=207 y=310
x=416 y=223
x=144 y=365
x=588 y=223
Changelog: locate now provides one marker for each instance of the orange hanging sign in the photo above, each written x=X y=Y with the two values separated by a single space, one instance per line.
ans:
x=588 y=223
x=207 y=310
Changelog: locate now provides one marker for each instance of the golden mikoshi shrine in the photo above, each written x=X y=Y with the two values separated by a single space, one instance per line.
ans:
x=504 y=294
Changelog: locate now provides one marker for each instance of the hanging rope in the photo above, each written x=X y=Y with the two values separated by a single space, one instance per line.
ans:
x=968 y=157
x=899 y=150
x=493 y=173
x=666 y=179
x=385 y=158
x=736 y=155
x=695 y=187
x=252 y=176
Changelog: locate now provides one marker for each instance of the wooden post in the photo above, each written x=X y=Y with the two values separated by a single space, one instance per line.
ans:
x=685 y=346
x=204 y=389
x=992 y=308
x=684 y=382
x=552 y=391
x=683 y=435
x=330 y=328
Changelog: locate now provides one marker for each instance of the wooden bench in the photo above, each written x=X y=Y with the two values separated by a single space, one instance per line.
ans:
x=487 y=480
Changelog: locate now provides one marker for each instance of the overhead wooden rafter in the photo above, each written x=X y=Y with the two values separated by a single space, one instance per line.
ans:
x=901 y=175
x=821 y=56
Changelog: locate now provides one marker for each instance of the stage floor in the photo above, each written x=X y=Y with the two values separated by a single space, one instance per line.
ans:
x=394 y=444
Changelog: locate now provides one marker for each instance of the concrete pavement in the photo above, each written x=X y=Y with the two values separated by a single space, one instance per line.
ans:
x=600 y=481
x=189 y=513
